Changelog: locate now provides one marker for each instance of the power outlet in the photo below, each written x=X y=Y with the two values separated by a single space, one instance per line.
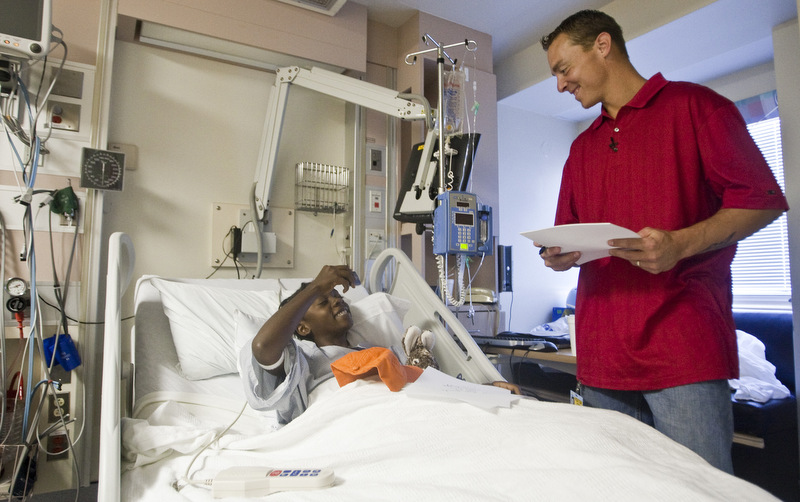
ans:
x=375 y=242
x=63 y=406
x=57 y=445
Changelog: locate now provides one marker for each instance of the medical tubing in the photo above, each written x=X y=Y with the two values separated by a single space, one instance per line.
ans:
x=447 y=294
x=186 y=479
x=31 y=252
x=50 y=88
x=3 y=353
x=59 y=291
x=257 y=229
x=34 y=319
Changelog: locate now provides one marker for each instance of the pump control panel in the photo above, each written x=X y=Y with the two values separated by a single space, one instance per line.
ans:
x=460 y=226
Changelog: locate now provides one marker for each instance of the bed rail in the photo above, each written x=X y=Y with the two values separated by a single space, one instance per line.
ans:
x=394 y=273
x=121 y=259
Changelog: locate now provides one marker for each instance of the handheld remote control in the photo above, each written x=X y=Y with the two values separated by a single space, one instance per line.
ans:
x=260 y=481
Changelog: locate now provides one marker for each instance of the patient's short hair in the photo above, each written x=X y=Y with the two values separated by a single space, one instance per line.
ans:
x=289 y=298
x=583 y=27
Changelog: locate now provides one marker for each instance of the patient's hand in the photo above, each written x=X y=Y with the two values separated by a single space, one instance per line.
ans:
x=514 y=388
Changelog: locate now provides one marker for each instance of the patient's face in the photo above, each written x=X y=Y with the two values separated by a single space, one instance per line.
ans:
x=329 y=318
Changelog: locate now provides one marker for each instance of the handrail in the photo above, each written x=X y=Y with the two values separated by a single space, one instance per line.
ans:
x=121 y=259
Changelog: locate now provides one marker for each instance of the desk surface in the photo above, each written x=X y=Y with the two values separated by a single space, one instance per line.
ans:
x=564 y=355
x=563 y=359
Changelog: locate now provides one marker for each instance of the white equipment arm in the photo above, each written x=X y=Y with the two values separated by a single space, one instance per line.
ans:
x=333 y=84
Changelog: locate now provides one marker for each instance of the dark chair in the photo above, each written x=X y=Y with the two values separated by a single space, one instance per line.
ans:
x=765 y=450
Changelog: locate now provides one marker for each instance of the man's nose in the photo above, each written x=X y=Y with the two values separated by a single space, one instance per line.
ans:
x=561 y=84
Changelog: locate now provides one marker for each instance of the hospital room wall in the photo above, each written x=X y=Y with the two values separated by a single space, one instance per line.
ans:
x=532 y=150
x=197 y=124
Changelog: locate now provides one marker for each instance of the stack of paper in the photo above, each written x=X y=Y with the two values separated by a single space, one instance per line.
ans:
x=591 y=239
x=433 y=384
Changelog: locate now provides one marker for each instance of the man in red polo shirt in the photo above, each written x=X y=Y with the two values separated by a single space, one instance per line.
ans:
x=675 y=162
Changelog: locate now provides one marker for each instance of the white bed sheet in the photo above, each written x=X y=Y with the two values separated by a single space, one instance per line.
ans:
x=389 y=446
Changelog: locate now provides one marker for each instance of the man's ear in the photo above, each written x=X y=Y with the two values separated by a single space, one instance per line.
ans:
x=603 y=44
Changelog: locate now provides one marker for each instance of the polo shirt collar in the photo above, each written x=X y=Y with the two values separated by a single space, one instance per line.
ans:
x=640 y=100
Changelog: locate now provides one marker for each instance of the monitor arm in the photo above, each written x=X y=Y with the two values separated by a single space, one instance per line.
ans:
x=333 y=84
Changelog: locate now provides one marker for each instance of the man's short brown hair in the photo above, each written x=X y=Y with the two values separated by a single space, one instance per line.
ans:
x=583 y=27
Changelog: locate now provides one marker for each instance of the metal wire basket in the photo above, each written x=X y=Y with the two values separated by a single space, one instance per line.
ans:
x=322 y=188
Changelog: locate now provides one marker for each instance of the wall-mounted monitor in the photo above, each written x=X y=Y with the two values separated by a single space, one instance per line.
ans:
x=416 y=204
x=25 y=28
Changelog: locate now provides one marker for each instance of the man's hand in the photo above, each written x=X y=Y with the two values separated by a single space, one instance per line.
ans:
x=660 y=250
x=554 y=259
x=656 y=251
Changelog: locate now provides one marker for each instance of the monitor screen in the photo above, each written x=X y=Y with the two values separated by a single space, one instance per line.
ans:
x=25 y=27
x=460 y=164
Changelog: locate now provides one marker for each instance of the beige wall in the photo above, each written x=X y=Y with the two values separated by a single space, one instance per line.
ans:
x=339 y=40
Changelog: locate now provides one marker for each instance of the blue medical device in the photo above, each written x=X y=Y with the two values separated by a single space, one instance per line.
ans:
x=460 y=225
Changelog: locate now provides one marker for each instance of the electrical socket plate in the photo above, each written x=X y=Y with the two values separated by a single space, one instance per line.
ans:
x=375 y=242
x=225 y=215
x=63 y=402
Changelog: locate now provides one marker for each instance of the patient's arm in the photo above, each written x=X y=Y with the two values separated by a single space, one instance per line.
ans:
x=277 y=332
x=514 y=388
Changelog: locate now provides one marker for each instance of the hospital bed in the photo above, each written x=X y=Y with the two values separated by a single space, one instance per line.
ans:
x=379 y=444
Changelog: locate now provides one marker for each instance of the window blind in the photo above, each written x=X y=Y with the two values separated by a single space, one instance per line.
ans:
x=760 y=269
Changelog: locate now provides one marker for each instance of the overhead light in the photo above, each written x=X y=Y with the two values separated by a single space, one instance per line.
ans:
x=220 y=49
x=329 y=7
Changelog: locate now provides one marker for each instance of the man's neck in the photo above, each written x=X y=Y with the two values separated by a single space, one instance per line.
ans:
x=627 y=83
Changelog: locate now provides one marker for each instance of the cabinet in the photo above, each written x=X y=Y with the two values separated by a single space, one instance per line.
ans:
x=478 y=319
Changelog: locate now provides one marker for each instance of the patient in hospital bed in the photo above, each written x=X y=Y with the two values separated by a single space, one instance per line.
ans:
x=292 y=352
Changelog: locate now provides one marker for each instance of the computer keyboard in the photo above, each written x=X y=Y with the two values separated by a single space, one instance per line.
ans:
x=513 y=339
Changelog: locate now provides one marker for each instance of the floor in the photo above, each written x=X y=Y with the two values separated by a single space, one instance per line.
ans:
x=86 y=494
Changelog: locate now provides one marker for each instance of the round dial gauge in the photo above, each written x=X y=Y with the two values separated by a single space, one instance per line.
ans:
x=102 y=169
x=16 y=286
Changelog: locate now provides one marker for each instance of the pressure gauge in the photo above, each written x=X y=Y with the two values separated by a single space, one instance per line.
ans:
x=16 y=286
x=102 y=169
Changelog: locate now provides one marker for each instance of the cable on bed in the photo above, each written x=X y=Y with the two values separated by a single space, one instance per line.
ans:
x=186 y=480
x=522 y=359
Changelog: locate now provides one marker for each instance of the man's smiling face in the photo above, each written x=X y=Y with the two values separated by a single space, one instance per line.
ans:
x=579 y=72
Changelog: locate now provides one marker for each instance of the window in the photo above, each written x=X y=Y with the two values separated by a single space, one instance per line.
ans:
x=760 y=269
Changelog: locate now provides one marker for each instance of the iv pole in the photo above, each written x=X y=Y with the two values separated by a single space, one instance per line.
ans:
x=411 y=59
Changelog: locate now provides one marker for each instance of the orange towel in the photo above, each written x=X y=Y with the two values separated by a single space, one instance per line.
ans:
x=374 y=360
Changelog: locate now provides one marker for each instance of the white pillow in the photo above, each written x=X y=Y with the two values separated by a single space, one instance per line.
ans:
x=201 y=319
x=247 y=327
x=378 y=320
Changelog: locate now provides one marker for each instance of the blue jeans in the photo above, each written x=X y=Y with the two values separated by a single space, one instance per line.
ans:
x=698 y=416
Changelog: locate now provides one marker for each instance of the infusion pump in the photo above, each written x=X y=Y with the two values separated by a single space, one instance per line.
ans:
x=460 y=226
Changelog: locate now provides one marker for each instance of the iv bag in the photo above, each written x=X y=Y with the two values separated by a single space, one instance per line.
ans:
x=453 y=98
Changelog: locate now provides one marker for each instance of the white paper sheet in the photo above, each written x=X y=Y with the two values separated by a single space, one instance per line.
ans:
x=591 y=239
x=434 y=384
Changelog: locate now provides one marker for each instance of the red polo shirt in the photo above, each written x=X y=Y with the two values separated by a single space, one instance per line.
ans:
x=676 y=154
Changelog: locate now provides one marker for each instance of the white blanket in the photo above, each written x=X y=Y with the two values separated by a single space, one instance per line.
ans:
x=389 y=446
x=757 y=381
